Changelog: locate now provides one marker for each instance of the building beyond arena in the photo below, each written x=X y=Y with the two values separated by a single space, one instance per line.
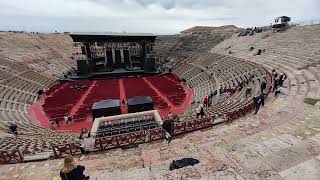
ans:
x=138 y=79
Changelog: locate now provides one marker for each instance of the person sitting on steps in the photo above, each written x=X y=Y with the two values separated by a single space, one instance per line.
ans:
x=71 y=171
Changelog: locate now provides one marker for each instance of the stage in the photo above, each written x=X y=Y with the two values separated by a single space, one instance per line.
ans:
x=110 y=74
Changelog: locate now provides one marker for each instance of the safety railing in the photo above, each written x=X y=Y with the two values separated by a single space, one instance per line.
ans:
x=13 y=156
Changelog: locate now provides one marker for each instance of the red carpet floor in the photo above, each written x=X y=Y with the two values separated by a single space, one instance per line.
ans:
x=124 y=108
x=76 y=107
x=39 y=117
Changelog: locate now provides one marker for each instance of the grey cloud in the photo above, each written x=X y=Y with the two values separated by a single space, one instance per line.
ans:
x=217 y=19
x=188 y=4
x=168 y=4
x=158 y=16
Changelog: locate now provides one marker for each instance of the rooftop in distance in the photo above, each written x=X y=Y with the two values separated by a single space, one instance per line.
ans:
x=209 y=28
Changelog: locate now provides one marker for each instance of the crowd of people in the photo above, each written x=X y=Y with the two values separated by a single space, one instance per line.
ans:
x=278 y=83
x=55 y=122
x=258 y=100
x=208 y=99
x=277 y=89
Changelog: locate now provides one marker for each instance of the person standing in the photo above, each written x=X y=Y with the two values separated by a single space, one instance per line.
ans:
x=170 y=116
x=257 y=103
x=168 y=127
x=69 y=119
x=83 y=132
x=87 y=145
x=274 y=74
x=198 y=110
x=282 y=78
x=56 y=120
x=51 y=123
x=239 y=87
x=263 y=86
x=275 y=84
x=210 y=99
x=205 y=101
x=66 y=119
x=13 y=128
x=248 y=91
x=201 y=111
x=167 y=137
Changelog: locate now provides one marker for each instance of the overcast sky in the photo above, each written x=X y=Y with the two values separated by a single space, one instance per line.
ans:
x=155 y=16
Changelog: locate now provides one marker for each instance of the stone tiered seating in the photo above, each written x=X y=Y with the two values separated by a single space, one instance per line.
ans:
x=210 y=72
x=37 y=78
x=165 y=44
x=45 y=53
x=293 y=52
x=19 y=86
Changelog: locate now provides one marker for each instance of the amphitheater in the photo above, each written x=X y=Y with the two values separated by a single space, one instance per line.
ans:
x=281 y=142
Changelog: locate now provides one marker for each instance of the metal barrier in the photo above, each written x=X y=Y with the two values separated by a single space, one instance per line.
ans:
x=7 y=157
x=62 y=150
x=134 y=138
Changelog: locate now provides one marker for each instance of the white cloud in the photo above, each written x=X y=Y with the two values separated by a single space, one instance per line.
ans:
x=158 y=16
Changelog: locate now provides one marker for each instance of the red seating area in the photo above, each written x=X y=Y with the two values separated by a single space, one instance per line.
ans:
x=170 y=88
x=103 y=89
x=138 y=87
x=62 y=101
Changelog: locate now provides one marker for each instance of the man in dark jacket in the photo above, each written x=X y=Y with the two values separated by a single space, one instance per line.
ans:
x=275 y=85
x=13 y=128
x=282 y=78
x=257 y=102
x=263 y=86
x=274 y=74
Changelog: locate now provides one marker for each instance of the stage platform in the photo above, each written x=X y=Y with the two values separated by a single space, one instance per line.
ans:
x=116 y=73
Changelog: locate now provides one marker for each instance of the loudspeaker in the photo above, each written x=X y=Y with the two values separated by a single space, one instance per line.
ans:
x=83 y=50
x=109 y=58
x=149 y=65
x=126 y=57
x=83 y=67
